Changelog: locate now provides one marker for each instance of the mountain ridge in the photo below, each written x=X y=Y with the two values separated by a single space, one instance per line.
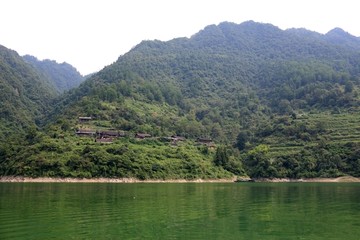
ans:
x=63 y=75
x=172 y=59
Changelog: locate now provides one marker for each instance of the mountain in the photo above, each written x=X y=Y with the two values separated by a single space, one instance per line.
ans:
x=277 y=104
x=340 y=37
x=64 y=76
x=25 y=94
x=231 y=69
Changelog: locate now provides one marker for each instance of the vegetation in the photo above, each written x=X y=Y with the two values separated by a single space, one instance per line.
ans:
x=276 y=103
x=25 y=95
x=63 y=76
x=71 y=156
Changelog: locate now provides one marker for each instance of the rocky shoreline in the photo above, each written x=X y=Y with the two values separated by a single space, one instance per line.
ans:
x=134 y=180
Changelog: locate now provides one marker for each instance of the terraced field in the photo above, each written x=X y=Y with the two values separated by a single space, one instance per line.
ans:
x=340 y=128
x=335 y=129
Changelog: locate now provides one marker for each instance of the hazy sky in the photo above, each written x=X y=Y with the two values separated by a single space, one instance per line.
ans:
x=90 y=34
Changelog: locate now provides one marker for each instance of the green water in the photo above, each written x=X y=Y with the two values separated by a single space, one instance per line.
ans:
x=180 y=211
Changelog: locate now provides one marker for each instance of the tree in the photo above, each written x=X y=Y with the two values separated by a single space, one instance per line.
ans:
x=31 y=135
x=221 y=156
x=349 y=87
x=258 y=163
x=241 y=140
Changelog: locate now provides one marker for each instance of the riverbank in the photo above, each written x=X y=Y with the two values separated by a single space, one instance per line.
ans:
x=328 y=180
x=107 y=180
x=134 y=180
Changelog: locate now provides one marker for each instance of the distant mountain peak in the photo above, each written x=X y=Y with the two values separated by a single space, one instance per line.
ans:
x=338 y=32
x=63 y=75
x=339 y=36
x=229 y=32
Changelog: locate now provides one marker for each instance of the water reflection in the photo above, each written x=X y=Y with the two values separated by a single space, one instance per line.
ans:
x=179 y=211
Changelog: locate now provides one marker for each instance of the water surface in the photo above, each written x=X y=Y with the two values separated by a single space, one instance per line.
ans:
x=180 y=211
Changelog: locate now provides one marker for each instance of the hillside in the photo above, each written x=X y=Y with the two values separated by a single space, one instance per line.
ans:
x=63 y=76
x=25 y=94
x=275 y=104
x=225 y=73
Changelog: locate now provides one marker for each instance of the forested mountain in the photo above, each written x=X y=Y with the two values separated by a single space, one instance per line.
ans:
x=276 y=103
x=25 y=94
x=342 y=38
x=63 y=75
x=225 y=74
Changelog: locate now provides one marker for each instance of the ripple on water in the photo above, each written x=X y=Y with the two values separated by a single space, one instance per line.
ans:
x=179 y=211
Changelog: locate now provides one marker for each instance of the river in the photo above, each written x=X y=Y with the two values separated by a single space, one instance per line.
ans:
x=180 y=211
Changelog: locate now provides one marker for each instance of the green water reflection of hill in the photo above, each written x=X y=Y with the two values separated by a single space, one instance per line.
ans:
x=179 y=211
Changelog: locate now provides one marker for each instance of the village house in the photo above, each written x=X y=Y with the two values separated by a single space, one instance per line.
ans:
x=85 y=119
x=110 y=134
x=85 y=132
x=173 y=139
x=206 y=142
x=177 y=138
x=104 y=140
x=142 y=135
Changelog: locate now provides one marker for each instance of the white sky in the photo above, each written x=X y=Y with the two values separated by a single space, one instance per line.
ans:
x=90 y=34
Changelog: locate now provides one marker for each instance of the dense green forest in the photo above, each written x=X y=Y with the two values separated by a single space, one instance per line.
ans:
x=63 y=76
x=25 y=94
x=246 y=99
